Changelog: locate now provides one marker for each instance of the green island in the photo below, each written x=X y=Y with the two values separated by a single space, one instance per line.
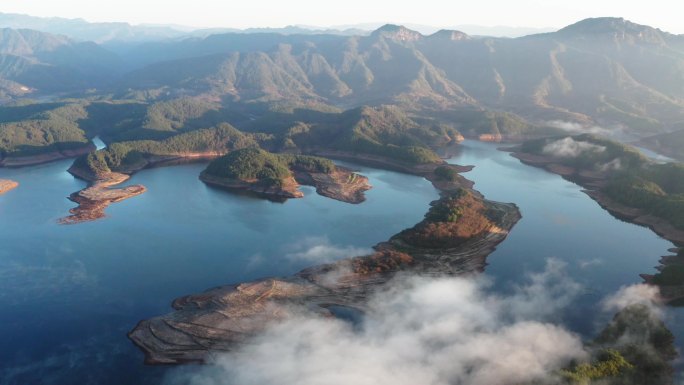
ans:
x=278 y=176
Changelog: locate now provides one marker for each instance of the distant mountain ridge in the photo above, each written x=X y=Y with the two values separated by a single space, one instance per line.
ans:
x=36 y=61
x=79 y=29
x=121 y=32
x=606 y=72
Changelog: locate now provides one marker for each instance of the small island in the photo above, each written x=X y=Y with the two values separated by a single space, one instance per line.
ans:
x=278 y=176
x=93 y=200
x=7 y=185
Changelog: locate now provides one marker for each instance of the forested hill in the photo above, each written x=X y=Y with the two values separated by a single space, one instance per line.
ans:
x=606 y=74
x=603 y=71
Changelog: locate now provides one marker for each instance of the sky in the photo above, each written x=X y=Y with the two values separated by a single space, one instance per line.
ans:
x=279 y=13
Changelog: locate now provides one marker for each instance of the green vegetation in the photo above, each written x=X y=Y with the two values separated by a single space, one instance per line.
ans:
x=35 y=129
x=655 y=188
x=609 y=363
x=384 y=131
x=250 y=164
x=126 y=156
x=644 y=341
x=632 y=179
x=254 y=164
x=596 y=156
x=670 y=275
x=448 y=209
x=387 y=131
x=451 y=220
x=448 y=173
x=634 y=348
x=476 y=122
x=175 y=114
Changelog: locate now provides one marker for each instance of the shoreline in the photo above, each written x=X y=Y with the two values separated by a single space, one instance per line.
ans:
x=591 y=182
x=100 y=193
x=226 y=316
x=288 y=190
x=94 y=199
x=48 y=157
x=341 y=184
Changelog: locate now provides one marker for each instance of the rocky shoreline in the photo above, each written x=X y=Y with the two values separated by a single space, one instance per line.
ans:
x=288 y=189
x=225 y=317
x=94 y=199
x=341 y=184
x=7 y=185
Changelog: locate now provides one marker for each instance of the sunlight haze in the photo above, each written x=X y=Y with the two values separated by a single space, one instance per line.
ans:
x=271 y=13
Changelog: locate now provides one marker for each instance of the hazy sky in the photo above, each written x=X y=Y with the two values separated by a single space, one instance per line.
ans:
x=278 y=13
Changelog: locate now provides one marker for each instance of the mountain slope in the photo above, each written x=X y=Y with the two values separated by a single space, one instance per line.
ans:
x=32 y=61
x=604 y=71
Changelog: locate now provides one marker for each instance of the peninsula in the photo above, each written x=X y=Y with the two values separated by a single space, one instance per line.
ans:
x=93 y=200
x=458 y=232
x=278 y=176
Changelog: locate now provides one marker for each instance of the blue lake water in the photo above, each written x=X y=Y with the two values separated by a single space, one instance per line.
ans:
x=69 y=294
x=559 y=221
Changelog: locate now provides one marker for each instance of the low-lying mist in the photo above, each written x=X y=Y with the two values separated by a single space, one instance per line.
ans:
x=422 y=330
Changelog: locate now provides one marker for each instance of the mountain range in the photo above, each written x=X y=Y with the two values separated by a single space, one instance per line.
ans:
x=604 y=74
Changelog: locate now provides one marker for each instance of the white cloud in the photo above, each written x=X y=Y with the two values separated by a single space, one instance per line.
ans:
x=640 y=294
x=317 y=250
x=613 y=165
x=587 y=263
x=570 y=148
x=430 y=331
x=577 y=128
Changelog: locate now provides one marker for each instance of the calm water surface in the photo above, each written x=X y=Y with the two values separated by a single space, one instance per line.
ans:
x=559 y=221
x=69 y=294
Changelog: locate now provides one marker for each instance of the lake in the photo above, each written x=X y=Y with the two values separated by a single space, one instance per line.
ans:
x=70 y=294
x=559 y=221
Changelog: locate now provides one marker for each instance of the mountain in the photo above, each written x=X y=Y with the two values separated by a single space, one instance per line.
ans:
x=384 y=67
x=116 y=34
x=605 y=71
x=605 y=74
x=33 y=62
x=470 y=29
x=81 y=30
